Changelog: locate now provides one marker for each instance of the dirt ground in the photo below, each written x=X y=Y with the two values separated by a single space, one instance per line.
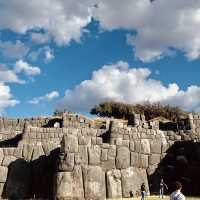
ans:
x=157 y=198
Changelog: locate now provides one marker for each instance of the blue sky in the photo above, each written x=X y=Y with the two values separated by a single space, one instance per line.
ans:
x=92 y=54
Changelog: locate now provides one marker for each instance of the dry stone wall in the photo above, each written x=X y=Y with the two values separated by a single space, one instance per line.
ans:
x=76 y=160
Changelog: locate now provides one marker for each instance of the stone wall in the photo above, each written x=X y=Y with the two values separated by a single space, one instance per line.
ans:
x=81 y=161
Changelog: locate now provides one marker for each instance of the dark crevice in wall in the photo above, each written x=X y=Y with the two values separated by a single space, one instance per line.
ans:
x=181 y=163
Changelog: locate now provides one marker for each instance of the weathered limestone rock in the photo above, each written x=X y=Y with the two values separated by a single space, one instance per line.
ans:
x=94 y=183
x=108 y=164
x=154 y=159
x=94 y=154
x=66 y=162
x=137 y=146
x=151 y=169
x=132 y=146
x=112 y=151
x=69 y=185
x=123 y=158
x=82 y=156
x=84 y=140
x=144 y=161
x=135 y=159
x=132 y=178
x=8 y=160
x=104 y=154
x=70 y=144
x=145 y=146
x=1 y=189
x=1 y=155
x=3 y=174
x=27 y=151
x=156 y=146
x=114 y=186
x=37 y=152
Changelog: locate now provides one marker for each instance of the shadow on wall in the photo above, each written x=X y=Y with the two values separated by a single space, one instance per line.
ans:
x=13 y=142
x=32 y=179
x=181 y=163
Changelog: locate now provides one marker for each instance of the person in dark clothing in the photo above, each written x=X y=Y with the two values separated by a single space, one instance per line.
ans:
x=163 y=186
x=143 y=191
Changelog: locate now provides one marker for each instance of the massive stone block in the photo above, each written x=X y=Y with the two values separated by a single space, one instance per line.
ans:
x=154 y=159
x=144 y=161
x=94 y=183
x=66 y=162
x=3 y=174
x=145 y=146
x=82 y=156
x=123 y=158
x=7 y=160
x=94 y=154
x=114 y=186
x=70 y=144
x=135 y=159
x=108 y=164
x=156 y=146
x=69 y=185
x=132 y=178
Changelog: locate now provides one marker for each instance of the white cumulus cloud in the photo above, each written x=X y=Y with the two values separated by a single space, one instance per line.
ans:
x=22 y=66
x=63 y=20
x=156 y=27
x=8 y=76
x=6 y=99
x=120 y=82
x=159 y=26
x=47 y=97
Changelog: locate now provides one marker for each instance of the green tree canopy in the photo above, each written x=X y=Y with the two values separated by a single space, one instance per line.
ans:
x=124 y=111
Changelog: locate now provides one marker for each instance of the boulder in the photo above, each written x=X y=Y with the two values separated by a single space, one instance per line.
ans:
x=154 y=159
x=132 y=178
x=145 y=146
x=69 y=185
x=3 y=174
x=123 y=157
x=144 y=161
x=66 y=162
x=135 y=159
x=82 y=156
x=7 y=160
x=114 y=184
x=156 y=146
x=94 y=154
x=69 y=143
x=94 y=183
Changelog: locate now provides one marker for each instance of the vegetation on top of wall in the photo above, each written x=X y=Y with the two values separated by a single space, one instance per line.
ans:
x=124 y=111
x=58 y=112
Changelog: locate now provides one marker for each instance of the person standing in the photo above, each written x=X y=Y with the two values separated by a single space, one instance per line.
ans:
x=177 y=194
x=162 y=188
x=143 y=191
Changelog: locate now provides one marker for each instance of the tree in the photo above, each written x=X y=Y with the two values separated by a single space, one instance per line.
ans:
x=124 y=111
